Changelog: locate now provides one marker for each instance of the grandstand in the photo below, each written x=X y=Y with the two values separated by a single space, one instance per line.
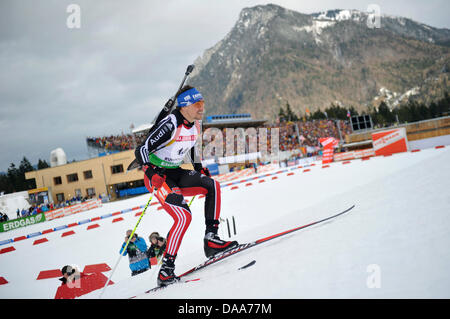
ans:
x=101 y=146
x=142 y=129
x=226 y=117
x=293 y=135
x=232 y=121
x=104 y=173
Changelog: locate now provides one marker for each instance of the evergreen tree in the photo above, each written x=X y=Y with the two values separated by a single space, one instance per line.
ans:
x=13 y=178
x=42 y=164
x=25 y=166
x=289 y=114
x=434 y=111
x=414 y=111
x=403 y=114
x=5 y=186
x=353 y=111
x=423 y=112
x=444 y=105
x=339 y=113
x=385 y=115
x=281 y=115
x=318 y=115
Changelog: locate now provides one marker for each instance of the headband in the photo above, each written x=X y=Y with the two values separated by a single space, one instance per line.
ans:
x=189 y=97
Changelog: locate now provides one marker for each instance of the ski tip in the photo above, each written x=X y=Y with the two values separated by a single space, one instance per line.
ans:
x=190 y=280
x=248 y=265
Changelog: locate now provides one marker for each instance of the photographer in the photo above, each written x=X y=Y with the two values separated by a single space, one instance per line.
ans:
x=136 y=251
x=75 y=283
x=158 y=246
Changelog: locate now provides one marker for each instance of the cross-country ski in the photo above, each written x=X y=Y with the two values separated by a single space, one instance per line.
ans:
x=239 y=248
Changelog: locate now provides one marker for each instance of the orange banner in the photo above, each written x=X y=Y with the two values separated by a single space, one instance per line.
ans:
x=73 y=209
x=328 y=148
x=390 y=141
x=327 y=156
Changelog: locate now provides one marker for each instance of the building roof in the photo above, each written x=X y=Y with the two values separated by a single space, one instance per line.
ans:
x=142 y=128
x=234 y=123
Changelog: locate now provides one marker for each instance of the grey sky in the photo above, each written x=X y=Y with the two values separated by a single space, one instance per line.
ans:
x=60 y=85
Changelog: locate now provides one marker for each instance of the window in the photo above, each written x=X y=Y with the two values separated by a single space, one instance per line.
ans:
x=87 y=174
x=361 y=122
x=117 y=169
x=60 y=197
x=57 y=180
x=90 y=192
x=78 y=192
x=72 y=178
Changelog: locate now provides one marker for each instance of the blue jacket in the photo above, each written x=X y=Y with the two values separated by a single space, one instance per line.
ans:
x=136 y=254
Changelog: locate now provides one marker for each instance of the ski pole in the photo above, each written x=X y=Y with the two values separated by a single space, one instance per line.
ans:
x=192 y=199
x=126 y=245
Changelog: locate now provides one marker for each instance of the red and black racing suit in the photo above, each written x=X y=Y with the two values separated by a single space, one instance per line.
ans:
x=180 y=181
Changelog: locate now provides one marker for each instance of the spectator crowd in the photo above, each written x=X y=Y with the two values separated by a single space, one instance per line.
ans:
x=308 y=136
x=113 y=143
x=309 y=133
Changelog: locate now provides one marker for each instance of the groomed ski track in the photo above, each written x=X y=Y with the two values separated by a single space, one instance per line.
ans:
x=393 y=244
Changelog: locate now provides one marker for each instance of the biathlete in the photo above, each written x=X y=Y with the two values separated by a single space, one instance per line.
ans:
x=161 y=155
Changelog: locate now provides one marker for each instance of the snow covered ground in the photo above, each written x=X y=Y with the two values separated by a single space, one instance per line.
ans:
x=393 y=244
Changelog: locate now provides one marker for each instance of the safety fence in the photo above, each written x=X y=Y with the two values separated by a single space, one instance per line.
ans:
x=73 y=209
x=261 y=178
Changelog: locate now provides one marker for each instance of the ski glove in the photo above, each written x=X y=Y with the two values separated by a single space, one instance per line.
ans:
x=158 y=180
x=202 y=170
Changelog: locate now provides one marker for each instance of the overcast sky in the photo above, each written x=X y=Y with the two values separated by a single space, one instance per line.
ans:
x=59 y=85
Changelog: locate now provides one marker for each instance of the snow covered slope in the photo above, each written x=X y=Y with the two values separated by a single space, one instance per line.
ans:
x=393 y=244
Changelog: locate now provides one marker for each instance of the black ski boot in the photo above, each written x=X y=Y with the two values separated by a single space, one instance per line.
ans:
x=166 y=275
x=214 y=245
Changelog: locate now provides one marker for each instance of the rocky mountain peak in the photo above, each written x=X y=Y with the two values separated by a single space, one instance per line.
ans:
x=273 y=55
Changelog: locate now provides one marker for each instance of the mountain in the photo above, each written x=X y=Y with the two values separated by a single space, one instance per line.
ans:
x=273 y=55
